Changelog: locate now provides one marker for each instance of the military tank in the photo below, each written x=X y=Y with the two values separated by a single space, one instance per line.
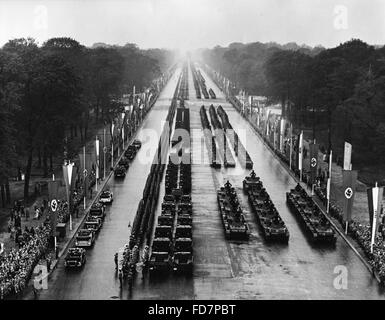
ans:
x=312 y=219
x=250 y=181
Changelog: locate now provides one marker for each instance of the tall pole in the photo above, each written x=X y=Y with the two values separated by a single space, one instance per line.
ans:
x=301 y=155
x=55 y=240
x=123 y=136
x=84 y=177
x=329 y=182
x=97 y=162
x=375 y=212
x=291 y=144
x=104 y=153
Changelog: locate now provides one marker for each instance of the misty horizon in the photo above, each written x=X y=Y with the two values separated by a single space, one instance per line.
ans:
x=189 y=25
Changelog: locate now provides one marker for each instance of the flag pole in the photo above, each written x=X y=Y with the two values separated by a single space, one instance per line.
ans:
x=97 y=165
x=104 y=154
x=329 y=182
x=301 y=159
x=374 y=220
x=291 y=144
x=84 y=175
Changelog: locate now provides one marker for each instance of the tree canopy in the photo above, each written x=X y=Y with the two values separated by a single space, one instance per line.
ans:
x=49 y=93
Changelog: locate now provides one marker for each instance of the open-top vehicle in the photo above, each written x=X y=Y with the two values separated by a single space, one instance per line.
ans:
x=106 y=197
x=85 y=238
x=93 y=224
x=137 y=144
x=124 y=162
x=75 y=258
x=120 y=172
x=98 y=211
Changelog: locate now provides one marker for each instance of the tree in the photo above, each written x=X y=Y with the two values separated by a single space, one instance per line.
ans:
x=48 y=88
x=287 y=78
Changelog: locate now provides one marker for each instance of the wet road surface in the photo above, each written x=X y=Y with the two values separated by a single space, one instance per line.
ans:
x=222 y=269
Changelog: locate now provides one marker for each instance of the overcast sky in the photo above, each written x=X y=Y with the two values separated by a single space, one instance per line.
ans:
x=189 y=24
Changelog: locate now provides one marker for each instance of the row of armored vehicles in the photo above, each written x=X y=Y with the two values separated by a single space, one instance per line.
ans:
x=310 y=216
x=273 y=227
x=172 y=244
x=233 y=219
x=129 y=155
x=183 y=85
x=86 y=236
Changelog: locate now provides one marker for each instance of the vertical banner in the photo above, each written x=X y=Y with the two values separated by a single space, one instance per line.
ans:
x=282 y=135
x=300 y=149
x=112 y=129
x=97 y=154
x=291 y=145
x=349 y=185
x=53 y=194
x=97 y=161
x=69 y=175
x=84 y=171
x=313 y=161
x=347 y=156
x=374 y=203
x=275 y=137
x=53 y=190
x=329 y=181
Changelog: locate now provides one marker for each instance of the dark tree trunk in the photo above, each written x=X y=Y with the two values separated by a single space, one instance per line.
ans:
x=45 y=162
x=2 y=196
x=87 y=118
x=76 y=130
x=7 y=191
x=27 y=175
x=81 y=133
x=39 y=158
x=97 y=110
x=51 y=162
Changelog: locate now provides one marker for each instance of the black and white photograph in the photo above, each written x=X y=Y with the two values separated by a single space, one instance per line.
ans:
x=198 y=151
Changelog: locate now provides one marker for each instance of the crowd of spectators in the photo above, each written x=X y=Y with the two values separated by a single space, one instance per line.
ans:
x=17 y=266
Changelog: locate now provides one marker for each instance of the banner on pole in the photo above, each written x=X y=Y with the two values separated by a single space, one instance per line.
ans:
x=97 y=155
x=282 y=135
x=53 y=195
x=53 y=190
x=349 y=185
x=374 y=203
x=313 y=161
x=300 y=150
x=347 y=156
